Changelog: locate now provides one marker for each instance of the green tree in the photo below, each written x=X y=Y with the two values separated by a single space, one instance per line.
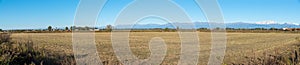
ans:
x=202 y=29
x=217 y=28
x=167 y=29
x=229 y=28
x=1 y=30
x=273 y=29
x=49 y=28
x=67 y=28
x=72 y=28
x=258 y=28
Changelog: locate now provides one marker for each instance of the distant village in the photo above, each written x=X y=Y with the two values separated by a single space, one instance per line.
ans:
x=54 y=29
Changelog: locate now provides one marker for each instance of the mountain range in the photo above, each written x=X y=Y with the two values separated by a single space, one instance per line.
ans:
x=267 y=24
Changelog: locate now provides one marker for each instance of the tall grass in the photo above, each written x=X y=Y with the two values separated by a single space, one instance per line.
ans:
x=19 y=53
x=290 y=57
x=4 y=37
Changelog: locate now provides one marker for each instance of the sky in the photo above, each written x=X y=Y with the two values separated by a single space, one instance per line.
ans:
x=39 y=14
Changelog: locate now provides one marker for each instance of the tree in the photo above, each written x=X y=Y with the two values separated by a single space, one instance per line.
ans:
x=177 y=28
x=1 y=30
x=166 y=29
x=202 y=29
x=109 y=28
x=67 y=28
x=86 y=28
x=217 y=28
x=72 y=28
x=273 y=29
x=50 y=28
x=229 y=28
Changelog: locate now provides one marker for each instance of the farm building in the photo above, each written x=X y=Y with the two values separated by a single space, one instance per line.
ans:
x=291 y=29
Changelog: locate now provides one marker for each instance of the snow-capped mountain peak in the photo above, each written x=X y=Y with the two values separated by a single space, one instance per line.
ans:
x=292 y=23
x=273 y=22
x=267 y=22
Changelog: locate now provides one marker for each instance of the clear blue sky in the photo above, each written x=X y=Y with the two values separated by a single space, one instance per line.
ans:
x=38 y=14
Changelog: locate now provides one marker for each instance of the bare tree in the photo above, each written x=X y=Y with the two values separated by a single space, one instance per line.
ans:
x=109 y=28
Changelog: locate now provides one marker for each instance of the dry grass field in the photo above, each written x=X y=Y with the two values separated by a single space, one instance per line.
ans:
x=242 y=48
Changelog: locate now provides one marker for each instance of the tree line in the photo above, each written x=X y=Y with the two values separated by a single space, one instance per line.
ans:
x=109 y=28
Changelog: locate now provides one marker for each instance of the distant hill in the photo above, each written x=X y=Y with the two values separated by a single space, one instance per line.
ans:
x=206 y=25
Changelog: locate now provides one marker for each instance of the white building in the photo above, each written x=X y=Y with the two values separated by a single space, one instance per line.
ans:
x=285 y=28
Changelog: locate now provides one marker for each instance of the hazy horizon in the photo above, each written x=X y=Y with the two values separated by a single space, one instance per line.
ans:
x=36 y=14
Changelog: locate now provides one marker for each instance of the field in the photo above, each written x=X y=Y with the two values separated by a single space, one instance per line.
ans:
x=242 y=48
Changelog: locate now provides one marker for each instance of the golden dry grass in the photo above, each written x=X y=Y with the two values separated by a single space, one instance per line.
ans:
x=240 y=46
